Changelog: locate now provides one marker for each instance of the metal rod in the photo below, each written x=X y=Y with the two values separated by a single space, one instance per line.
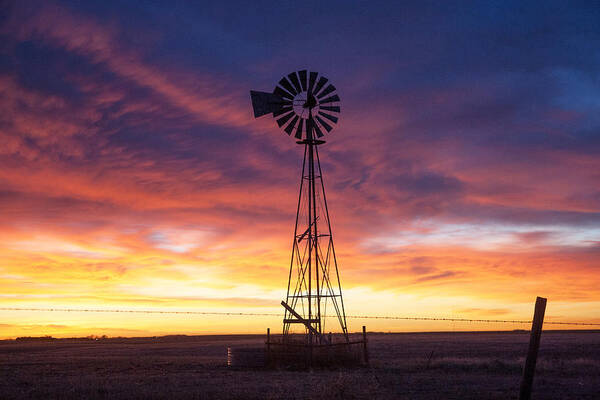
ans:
x=314 y=222
x=286 y=327
x=365 y=351
x=311 y=180
x=268 y=344
x=343 y=316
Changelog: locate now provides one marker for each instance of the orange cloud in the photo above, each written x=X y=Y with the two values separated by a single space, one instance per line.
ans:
x=155 y=188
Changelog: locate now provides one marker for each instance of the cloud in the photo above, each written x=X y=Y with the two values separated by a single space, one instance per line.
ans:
x=420 y=270
x=203 y=96
x=534 y=236
x=465 y=164
x=484 y=311
x=441 y=275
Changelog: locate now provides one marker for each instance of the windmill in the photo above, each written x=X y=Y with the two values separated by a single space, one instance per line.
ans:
x=305 y=105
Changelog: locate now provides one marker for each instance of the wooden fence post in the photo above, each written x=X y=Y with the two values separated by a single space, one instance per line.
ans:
x=365 y=351
x=534 y=345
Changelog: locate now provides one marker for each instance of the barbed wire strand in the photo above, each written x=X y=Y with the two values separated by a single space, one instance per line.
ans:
x=388 y=317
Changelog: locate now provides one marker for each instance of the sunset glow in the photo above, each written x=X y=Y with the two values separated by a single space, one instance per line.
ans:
x=133 y=175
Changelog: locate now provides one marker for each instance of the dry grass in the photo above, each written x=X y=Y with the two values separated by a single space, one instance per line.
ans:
x=463 y=366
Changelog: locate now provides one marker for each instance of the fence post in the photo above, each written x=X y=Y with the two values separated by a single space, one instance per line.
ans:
x=534 y=345
x=365 y=351
x=268 y=346
x=429 y=360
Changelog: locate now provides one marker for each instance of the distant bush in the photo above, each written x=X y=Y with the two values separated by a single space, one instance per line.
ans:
x=96 y=337
x=35 y=339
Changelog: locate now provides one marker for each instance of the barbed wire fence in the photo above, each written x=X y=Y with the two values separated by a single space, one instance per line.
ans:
x=253 y=314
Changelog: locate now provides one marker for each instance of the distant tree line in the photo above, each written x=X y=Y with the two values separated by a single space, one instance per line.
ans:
x=49 y=338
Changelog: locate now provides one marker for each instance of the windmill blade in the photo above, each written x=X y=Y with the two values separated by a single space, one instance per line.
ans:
x=329 y=117
x=299 y=130
x=282 y=110
x=327 y=90
x=302 y=75
x=320 y=84
x=265 y=103
x=282 y=93
x=325 y=124
x=287 y=86
x=288 y=129
x=281 y=121
x=311 y=81
x=331 y=99
x=316 y=128
x=294 y=79
x=330 y=108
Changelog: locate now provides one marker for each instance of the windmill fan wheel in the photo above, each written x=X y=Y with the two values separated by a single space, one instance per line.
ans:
x=303 y=103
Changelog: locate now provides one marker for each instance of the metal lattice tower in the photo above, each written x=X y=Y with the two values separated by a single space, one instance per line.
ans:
x=304 y=103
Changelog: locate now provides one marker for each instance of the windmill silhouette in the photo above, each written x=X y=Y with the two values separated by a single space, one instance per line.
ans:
x=305 y=105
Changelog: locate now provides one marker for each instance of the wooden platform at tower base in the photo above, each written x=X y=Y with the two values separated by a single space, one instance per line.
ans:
x=302 y=356
x=293 y=352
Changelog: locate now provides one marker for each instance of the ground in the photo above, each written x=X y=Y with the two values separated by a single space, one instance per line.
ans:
x=462 y=366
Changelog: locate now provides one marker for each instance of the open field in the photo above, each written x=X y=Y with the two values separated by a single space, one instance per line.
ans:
x=463 y=366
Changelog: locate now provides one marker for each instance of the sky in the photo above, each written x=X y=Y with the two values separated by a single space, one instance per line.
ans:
x=463 y=179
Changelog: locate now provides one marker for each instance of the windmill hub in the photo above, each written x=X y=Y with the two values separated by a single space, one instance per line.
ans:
x=303 y=104
x=310 y=103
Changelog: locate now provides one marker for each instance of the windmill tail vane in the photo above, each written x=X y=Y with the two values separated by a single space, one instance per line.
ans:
x=306 y=105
